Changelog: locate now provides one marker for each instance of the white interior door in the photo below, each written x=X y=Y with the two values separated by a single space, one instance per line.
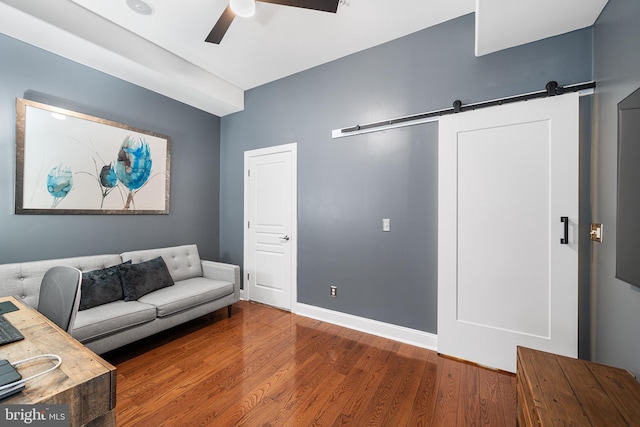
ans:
x=270 y=221
x=507 y=175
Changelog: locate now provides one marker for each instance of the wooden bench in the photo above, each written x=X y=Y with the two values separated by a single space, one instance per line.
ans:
x=561 y=391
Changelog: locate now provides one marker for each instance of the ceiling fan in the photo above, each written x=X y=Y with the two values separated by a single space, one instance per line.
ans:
x=246 y=8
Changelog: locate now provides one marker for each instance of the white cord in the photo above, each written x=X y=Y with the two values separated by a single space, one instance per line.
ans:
x=23 y=361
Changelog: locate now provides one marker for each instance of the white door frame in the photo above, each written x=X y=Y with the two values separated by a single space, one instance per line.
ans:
x=293 y=148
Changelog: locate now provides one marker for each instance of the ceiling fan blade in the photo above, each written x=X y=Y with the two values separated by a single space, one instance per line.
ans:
x=321 y=5
x=221 y=27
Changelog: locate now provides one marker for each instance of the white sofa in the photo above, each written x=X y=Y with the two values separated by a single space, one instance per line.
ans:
x=200 y=287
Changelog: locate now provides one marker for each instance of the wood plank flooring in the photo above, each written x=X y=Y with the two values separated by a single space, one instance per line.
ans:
x=268 y=367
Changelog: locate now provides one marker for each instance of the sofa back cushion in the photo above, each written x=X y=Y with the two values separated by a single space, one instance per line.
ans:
x=183 y=262
x=23 y=279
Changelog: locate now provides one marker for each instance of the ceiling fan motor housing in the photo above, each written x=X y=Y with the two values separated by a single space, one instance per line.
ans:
x=246 y=8
x=243 y=8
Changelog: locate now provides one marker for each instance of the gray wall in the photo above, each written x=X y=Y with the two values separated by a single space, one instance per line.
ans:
x=29 y=72
x=346 y=186
x=616 y=308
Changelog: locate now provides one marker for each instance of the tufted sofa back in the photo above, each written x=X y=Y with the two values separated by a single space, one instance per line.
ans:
x=23 y=279
x=183 y=261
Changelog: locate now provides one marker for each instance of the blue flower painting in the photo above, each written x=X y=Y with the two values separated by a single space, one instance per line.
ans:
x=88 y=165
x=134 y=162
x=59 y=183
x=133 y=167
x=108 y=177
x=108 y=180
x=131 y=171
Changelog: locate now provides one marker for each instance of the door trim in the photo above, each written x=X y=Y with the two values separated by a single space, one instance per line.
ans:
x=293 y=149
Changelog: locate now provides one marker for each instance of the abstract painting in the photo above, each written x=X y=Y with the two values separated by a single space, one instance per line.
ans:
x=73 y=163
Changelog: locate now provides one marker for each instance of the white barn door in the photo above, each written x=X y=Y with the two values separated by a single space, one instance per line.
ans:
x=507 y=175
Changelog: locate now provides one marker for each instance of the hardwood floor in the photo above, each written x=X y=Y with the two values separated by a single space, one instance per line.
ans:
x=267 y=367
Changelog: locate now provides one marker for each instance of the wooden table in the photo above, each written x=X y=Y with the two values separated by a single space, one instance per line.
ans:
x=84 y=381
x=561 y=391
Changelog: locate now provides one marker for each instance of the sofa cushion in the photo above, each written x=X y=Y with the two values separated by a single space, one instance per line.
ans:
x=140 y=279
x=100 y=287
x=183 y=261
x=110 y=318
x=186 y=294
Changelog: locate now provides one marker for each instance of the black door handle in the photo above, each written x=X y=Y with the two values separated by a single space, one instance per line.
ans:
x=565 y=239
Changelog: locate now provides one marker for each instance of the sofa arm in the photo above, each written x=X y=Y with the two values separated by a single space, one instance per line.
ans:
x=222 y=271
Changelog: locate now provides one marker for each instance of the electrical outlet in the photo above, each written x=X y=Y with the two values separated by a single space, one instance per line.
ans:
x=333 y=291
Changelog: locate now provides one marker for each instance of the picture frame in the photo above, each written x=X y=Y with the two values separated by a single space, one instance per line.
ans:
x=73 y=163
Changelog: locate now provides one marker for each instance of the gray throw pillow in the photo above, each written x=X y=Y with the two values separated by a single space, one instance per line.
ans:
x=100 y=287
x=143 y=278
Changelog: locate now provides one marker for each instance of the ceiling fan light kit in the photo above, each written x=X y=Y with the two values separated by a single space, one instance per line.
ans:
x=243 y=8
x=246 y=8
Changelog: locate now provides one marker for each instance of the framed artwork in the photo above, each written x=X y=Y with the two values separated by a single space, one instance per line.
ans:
x=73 y=163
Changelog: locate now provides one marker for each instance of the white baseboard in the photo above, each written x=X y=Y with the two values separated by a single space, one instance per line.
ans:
x=374 y=327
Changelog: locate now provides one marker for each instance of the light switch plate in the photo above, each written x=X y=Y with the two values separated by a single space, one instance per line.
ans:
x=386 y=224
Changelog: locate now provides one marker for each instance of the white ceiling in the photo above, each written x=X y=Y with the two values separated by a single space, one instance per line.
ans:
x=165 y=51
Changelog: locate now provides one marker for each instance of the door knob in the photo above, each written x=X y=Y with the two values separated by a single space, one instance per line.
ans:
x=285 y=238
